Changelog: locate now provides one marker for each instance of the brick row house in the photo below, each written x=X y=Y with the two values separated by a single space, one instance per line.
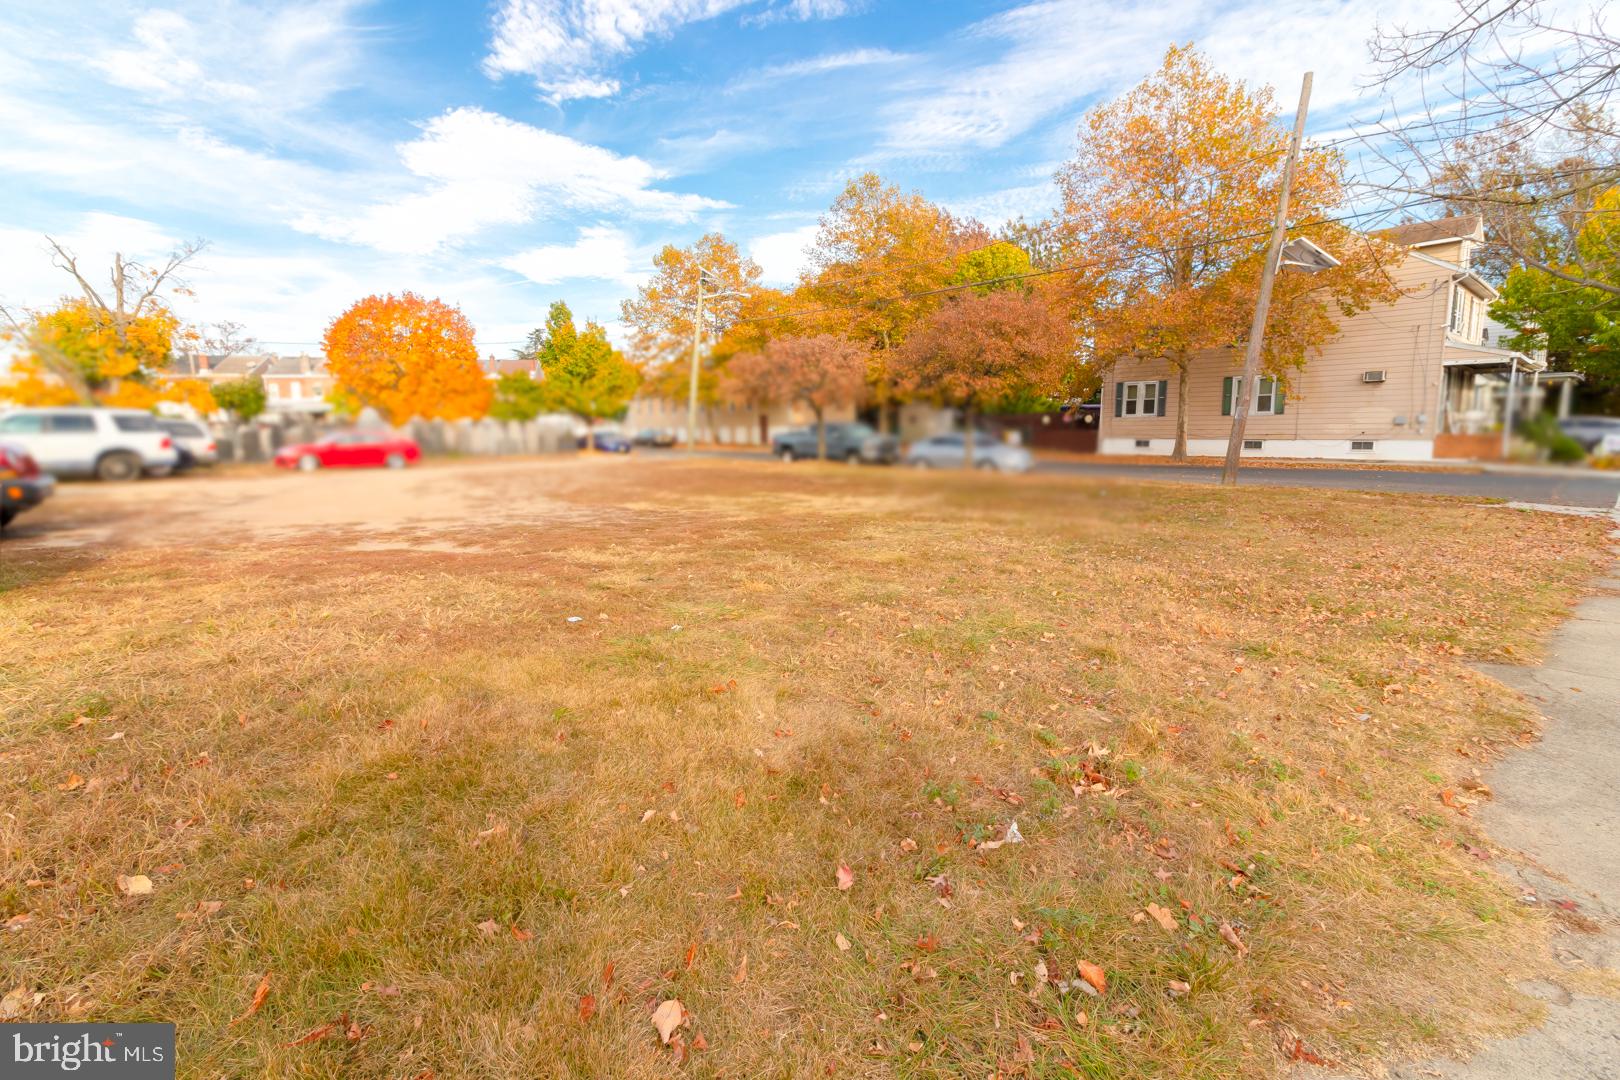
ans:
x=293 y=385
x=1413 y=380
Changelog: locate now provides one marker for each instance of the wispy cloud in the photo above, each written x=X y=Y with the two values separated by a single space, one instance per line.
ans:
x=817 y=65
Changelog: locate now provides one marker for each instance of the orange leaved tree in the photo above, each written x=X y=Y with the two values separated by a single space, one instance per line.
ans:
x=1169 y=198
x=819 y=372
x=978 y=349
x=407 y=356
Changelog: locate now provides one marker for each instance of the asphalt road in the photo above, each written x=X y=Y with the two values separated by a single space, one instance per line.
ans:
x=1588 y=489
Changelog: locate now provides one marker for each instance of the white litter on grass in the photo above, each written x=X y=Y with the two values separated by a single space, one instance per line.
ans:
x=677 y=628
x=575 y=618
x=1013 y=837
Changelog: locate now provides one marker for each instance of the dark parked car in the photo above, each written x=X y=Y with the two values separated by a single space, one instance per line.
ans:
x=654 y=437
x=351 y=448
x=609 y=442
x=1589 y=431
x=845 y=442
x=23 y=485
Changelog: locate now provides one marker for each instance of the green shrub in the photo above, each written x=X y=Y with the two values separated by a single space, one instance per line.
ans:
x=1543 y=431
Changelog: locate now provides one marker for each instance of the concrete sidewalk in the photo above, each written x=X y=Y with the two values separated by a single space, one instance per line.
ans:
x=1558 y=806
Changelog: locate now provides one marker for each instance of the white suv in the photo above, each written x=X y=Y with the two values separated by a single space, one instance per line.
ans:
x=109 y=444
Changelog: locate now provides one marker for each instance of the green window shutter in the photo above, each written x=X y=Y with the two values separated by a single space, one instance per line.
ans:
x=1279 y=398
x=1226 y=396
x=1164 y=392
x=1119 y=398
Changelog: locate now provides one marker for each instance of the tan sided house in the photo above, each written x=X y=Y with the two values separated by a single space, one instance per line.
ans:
x=1408 y=381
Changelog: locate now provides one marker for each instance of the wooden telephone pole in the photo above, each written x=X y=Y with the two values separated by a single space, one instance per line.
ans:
x=1268 y=276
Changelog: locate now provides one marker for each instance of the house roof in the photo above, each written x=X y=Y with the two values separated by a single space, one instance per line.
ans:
x=293 y=365
x=1438 y=231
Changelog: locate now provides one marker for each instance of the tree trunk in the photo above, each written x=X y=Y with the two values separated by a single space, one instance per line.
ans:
x=967 y=436
x=821 y=436
x=1179 y=452
x=590 y=434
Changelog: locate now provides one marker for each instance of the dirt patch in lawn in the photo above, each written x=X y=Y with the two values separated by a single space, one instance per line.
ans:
x=492 y=760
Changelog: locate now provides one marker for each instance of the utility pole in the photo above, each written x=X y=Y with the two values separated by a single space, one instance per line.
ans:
x=697 y=336
x=1268 y=276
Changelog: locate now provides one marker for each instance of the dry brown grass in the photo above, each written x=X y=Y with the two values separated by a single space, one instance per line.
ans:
x=1269 y=690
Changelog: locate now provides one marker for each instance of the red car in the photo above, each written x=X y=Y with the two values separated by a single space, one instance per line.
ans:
x=350 y=448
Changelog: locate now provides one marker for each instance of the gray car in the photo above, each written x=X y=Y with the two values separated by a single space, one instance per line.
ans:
x=845 y=442
x=1589 y=431
x=948 y=452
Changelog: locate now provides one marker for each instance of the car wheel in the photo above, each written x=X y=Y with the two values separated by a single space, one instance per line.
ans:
x=118 y=467
x=395 y=461
x=786 y=454
x=921 y=463
x=852 y=458
x=987 y=466
x=308 y=463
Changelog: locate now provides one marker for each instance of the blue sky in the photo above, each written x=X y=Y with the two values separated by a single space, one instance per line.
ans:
x=502 y=155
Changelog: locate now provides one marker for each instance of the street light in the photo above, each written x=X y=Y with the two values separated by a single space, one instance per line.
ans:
x=705 y=277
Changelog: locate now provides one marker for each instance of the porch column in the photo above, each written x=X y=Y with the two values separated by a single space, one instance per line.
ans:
x=1565 y=393
x=1507 y=412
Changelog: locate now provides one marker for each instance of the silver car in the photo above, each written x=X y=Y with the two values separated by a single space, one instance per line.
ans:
x=192 y=440
x=948 y=452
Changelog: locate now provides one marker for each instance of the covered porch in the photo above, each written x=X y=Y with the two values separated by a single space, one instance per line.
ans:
x=1486 y=392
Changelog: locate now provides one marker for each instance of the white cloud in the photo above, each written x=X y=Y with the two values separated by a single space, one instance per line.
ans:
x=601 y=252
x=483 y=170
x=280 y=57
x=782 y=255
x=1029 y=201
x=819 y=65
x=805 y=10
x=565 y=44
x=1053 y=54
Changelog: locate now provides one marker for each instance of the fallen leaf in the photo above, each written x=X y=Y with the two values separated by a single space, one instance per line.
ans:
x=927 y=943
x=699 y=1042
x=1080 y=1018
x=691 y=955
x=667 y=1017
x=1178 y=988
x=1230 y=936
x=1162 y=916
x=1300 y=1053
x=522 y=935
x=741 y=799
x=313 y=1034
x=908 y=844
x=842 y=942
x=135 y=885
x=1093 y=975
x=260 y=992
x=74 y=780
x=18 y=1001
x=587 y=1006
x=741 y=975
x=18 y=921
x=607 y=974
x=489 y=927
x=846 y=877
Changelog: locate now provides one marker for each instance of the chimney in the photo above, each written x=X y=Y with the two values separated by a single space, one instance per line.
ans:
x=202 y=363
x=303 y=363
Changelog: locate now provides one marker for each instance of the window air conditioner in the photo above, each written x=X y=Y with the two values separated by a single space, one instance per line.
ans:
x=1372 y=376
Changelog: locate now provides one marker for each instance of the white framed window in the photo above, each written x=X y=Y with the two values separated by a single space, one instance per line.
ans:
x=1456 y=323
x=1139 y=398
x=1268 y=397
